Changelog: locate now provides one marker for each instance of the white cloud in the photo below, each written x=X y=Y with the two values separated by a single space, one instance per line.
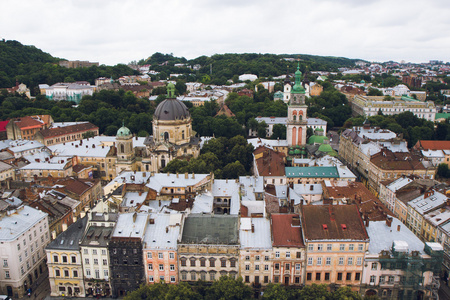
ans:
x=121 y=31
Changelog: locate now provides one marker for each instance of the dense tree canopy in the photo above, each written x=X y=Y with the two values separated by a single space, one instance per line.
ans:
x=225 y=157
x=227 y=288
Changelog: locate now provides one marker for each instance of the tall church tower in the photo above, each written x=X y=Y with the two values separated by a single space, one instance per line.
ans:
x=296 y=121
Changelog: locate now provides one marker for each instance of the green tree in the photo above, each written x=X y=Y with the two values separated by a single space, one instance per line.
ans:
x=443 y=171
x=277 y=292
x=278 y=131
x=374 y=92
x=233 y=170
x=227 y=288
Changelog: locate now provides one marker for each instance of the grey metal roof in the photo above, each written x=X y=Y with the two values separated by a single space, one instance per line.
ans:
x=209 y=229
x=171 y=109
x=69 y=239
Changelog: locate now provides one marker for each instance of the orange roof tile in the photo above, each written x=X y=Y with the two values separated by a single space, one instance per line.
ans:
x=284 y=233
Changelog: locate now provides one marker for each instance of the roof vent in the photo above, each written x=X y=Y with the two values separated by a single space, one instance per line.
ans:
x=343 y=226
x=324 y=226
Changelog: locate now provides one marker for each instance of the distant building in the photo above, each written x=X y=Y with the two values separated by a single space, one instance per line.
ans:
x=77 y=64
x=65 y=133
x=69 y=91
x=25 y=128
x=371 y=105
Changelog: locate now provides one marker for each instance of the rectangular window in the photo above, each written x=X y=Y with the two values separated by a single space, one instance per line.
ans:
x=5 y=263
x=247 y=267
x=351 y=247
x=149 y=255
x=150 y=278
x=341 y=247
x=247 y=279
x=360 y=247
x=308 y=276
x=223 y=263
x=350 y=261
x=247 y=257
x=277 y=254
x=150 y=267
x=86 y=261
x=328 y=261
x=105 y=262
x=318 y=276
x=256 y=267
x=277 y=266
x=202 y=263
x=95 y=261
x=319 y=247
x=266 y=267
x=348 y=276
x=161 y=267
x=266 y=258
x=329 y=247
x=57 y=272
x=298 y=267
x=319 y=261
x=358 y=276
x=299 y=254
x=74 y=259
x=339 y=276
x=310 y=247
x=359 y=261
x=374 y=266
x=310 y=261
x=257 y=257
x=160 y=255
x=172 y=279
x=7 y=274
x=171 y=255
x=373 y=278
x=75 y=273
x=105 y=272
x=266 y=279
x=172 y=267
x=327 y=276
x=55 y=258
x=341 y=261
x=288 y=254
x=94 y=251
x=287 y=267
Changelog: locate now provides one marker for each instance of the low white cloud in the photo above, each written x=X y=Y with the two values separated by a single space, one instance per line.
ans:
x=115 y=31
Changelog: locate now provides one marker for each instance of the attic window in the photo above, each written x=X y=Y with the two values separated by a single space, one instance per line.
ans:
x=343 y=226
x=324 y=226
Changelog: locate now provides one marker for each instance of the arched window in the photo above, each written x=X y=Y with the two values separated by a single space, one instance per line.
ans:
x=122 y=148
x=166 y=136
x=182 y=134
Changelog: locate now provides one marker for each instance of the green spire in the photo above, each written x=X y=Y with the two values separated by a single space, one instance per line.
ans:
x=170 y=91
x=298 y=88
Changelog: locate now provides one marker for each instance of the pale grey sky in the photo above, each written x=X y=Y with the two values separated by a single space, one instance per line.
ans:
x=113 y=31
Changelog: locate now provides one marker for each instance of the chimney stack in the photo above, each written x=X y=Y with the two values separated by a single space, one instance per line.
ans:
x=398 y=227
x=389 y=221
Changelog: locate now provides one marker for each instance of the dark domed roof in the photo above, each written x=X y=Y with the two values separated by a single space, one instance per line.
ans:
x=171 y=109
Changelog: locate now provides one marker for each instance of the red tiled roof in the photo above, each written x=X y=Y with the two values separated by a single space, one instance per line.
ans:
x=342 y=222
x=58 y=131
x=3 y=125
x=28 y=122
x=434 y=145
x=284 y=234
x=358 y=193
x=388 y=160
x=269 y=162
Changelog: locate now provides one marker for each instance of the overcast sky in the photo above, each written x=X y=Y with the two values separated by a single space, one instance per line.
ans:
x=113 y=31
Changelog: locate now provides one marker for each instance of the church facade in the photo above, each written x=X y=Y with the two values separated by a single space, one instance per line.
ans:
x=172 y=138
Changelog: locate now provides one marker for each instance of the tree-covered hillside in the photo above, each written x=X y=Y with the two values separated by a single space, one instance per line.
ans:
x=32 y=66
x=219 y=68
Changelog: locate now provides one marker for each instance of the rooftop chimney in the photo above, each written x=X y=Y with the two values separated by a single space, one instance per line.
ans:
x=388 y=221
x=398 y=227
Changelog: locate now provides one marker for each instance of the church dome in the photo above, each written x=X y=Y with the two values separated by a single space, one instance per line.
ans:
x=123 y=131
x=170 y=110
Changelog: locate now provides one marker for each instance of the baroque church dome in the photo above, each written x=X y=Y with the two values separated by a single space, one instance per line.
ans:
x=123 y=132
x=171 y=109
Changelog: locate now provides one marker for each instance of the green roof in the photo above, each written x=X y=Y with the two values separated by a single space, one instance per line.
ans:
x=325 y=148
x=123 y=131
x=317 y=139
x=311 y=172
x=442 y=116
